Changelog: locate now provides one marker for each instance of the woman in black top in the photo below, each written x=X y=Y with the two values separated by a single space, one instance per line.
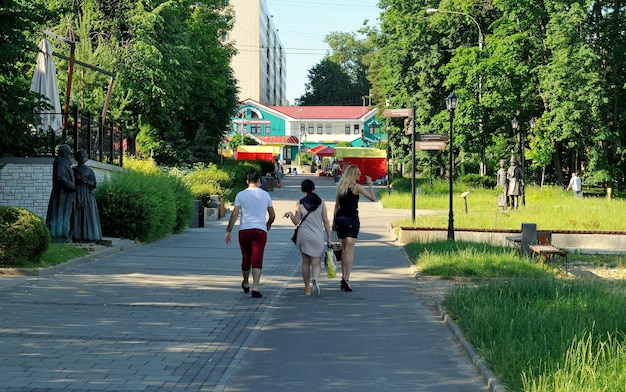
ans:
x=346 y=217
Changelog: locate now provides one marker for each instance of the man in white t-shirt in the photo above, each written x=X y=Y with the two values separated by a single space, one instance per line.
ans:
x=576 y=185
x=253 y=203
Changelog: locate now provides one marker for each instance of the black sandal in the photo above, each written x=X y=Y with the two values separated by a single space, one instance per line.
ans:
x=245 y=289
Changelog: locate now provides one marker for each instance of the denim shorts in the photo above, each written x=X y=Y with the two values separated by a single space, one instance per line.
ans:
x=347 y=227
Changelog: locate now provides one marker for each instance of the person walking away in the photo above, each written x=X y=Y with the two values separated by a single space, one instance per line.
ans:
x=278 y=173
x=576 y=185
x=346 y=217
x=313 y=234
x=335 y=170
x=252 y=203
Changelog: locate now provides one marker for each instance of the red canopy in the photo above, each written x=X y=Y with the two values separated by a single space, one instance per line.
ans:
x=325 y=152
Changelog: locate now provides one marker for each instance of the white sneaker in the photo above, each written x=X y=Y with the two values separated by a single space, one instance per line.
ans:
x=316 y=288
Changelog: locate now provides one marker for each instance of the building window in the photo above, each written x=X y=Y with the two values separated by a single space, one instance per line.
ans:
x=329 y=129
x=255 y=129
x=356 y=129
x=311 y=130
x=320 y=129
x=302 y=129
x=347 y=129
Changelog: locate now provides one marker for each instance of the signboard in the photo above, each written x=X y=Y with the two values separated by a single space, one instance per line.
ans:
x=406 y=112
x=430 y=145
x=433 y=137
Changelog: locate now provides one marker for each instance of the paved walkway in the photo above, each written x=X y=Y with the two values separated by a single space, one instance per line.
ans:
x=171 y=316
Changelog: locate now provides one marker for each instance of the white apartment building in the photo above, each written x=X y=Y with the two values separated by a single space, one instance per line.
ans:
x=261 y=64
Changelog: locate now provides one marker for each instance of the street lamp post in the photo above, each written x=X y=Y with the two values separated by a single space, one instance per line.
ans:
x=451 y=103
x=299 y=135
x=481 y=40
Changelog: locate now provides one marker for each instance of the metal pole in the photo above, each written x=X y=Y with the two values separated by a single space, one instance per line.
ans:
x=451 y=213
x=413 y=166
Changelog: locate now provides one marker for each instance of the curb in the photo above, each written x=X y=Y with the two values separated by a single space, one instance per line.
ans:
x=118 y=245
x=479 y=363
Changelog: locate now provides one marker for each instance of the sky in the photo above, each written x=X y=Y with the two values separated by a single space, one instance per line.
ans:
x=302 y=26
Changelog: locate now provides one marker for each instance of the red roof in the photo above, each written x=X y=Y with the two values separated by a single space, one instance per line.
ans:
x=278 y=139
x=310 y=112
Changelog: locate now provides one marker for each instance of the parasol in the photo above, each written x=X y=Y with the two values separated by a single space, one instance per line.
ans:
x=45 y=83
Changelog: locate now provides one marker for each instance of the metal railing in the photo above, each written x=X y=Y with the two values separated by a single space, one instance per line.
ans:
x=103 y=141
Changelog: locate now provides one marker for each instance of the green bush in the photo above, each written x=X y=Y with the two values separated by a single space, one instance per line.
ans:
x=138 y=206
x=23 y=237
x=208 y=181
x=183 y=199
x=477 y=181
x=239 y=170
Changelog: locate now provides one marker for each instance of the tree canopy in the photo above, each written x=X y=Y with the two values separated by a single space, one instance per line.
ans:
x=557 y=63
x=174 y=87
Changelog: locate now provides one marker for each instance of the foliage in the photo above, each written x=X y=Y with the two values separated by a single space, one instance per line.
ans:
x=470 y=259
x=20 y=32
x=526 y=328
x=341 y=77
x=173 y=81
x=58 y=253
x=137 y=206
x=235 y=141
x=551 y=208
x=558 y=64
x=183 y=199
x=208 y=181
x=477 y=181
x=24 y=237
x=588 y=365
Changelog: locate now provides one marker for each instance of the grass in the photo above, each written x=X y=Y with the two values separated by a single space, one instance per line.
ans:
x=534 y=326
x=526 y=328
x=550 y=208
x=471 y=259
x=57 y=254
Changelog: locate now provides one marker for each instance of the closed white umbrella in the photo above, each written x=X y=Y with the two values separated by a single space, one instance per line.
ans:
x=45 y=83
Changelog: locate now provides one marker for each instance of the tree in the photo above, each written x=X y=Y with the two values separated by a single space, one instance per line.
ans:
x=20 y=28
x=328 y=85
x=341 y=77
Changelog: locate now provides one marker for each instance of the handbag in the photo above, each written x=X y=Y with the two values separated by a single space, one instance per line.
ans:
x=294 y=237
x=335 y=244
x=331 y=263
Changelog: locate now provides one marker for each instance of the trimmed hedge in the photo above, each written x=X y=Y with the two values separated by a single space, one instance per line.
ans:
x=143 y=206
x=24 y=237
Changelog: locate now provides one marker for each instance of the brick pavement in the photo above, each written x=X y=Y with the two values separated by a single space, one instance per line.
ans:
x=171 y=316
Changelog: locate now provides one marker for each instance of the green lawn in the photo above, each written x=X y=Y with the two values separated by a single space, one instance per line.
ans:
x=551 y=209
x=538 y=328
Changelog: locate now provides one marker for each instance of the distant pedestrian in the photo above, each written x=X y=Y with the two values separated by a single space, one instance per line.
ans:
x=313 y=234
x=346 y=217
x=253 y=203
x=576 y=185
x=278 y=173
x=335 y=168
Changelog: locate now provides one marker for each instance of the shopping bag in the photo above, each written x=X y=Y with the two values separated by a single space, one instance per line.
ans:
x=331 y=263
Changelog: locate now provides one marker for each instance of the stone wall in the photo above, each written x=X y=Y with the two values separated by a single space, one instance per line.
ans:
x=27 y=182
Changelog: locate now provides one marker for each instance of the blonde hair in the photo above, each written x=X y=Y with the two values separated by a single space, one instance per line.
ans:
x=348 y=179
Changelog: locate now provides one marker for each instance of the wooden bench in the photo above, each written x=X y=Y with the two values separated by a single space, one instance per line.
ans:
x=549 y=254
